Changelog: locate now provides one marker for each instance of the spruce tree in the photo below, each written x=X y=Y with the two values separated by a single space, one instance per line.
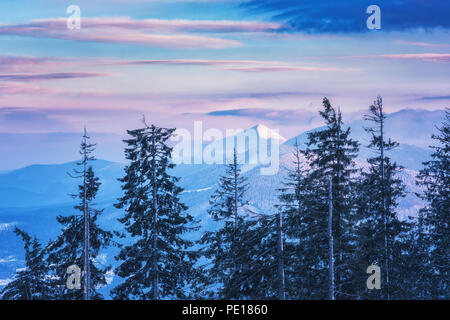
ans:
x=381 y=235
x=435 y=216
x=267 y=258
x=294 y=217
x=158 y=262
x=70 y=247
x=31 y=282
x=330 y=154
x=418 y=274
x=233 y=247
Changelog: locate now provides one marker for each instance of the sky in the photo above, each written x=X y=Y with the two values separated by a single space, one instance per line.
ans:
x=231 y=64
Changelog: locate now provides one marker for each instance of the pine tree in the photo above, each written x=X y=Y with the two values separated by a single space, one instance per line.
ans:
x=233 y=248
x=418 y=274
x=330 y=153
x=381 y=235
x=74 y=242
x=31 y=282
x=159 y=262
x=331 y=271
x=294 y=217
x=435 y=216
x=280 y=257
x=266 y=257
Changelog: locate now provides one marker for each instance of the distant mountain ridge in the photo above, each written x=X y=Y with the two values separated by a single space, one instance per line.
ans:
x=44 y=185
x=41 y=185
x=408 y=126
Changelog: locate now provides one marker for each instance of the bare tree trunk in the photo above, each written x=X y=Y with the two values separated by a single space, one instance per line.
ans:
x=28 y=294
x=236 y=266
x=86 y=225
x=299 y=204
x=282 y=289
x=385 y=217
x=155 y=220
x=331 y=242
x=235 y=191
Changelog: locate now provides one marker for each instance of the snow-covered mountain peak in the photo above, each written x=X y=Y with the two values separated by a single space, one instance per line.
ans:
x=267 y=133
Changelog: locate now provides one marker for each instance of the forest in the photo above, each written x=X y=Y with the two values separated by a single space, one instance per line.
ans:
x=334 y=221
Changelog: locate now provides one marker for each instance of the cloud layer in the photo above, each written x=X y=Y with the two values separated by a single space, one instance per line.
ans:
x=283 y=116
x=153 y=32
x=48 y=76
x=238 y=65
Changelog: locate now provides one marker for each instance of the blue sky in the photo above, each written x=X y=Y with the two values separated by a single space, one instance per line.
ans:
x=344 y=16
x=228 y=63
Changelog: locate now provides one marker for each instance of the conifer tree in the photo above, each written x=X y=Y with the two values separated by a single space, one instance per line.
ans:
x=231 y=248
x=294 y=217
x=29 y=283
x=330 y=153
x=71 y=246
x=381 y=235
x=280 y=257
x=159 y=261
x=435 y=216
x=418 y=274
x=267 y=257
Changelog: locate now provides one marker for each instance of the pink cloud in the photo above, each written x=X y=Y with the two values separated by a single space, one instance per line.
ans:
x=14 y=62
x=237 y=65
x=430 y=57
x=192 y=62
x=10 y=88
x=154 y=32
x=45 y=68
x=30 y=64
x=422 y=44
x=177 y=24
x=290 y=68
x=433 y=57
x=48 y=76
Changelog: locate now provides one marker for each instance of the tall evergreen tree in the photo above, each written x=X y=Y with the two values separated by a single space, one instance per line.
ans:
x=74 y=242
x=296 y=253
x=266 y=258
x=29 y=283
x=417 y=278
x=381 y=235
x=230 y=248
x=330 y=153
x=435 y=216
x=159 y=262
x=286 y=244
